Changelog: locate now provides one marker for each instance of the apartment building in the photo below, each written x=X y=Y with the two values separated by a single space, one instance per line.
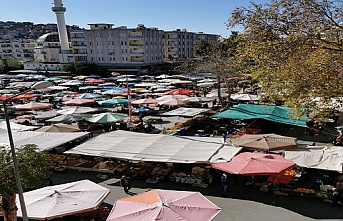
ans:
x=109 y=46
x=22 y=49
x=106 y=45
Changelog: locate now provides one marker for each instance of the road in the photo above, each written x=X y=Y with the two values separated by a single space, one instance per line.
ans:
x=242 y=203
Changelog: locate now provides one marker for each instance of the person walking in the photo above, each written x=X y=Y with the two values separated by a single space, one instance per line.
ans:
x=225 y=181
x=125 y=182
x=337 y=197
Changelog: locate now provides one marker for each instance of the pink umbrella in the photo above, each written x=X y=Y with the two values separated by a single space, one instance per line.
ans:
x=255 y=164
x=33 y=106
x=145 y=101
x=164 y=205
x=180 y=91
x=79 y=102
x=94 y=81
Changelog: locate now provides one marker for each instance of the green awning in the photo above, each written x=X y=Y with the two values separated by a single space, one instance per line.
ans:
x=277 y=114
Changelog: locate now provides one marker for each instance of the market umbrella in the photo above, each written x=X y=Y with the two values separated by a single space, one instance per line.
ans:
x=33 y=106
x=64 y=128
x=245 y=97
x=265 y=142
x=255 y=164
x=52 y=79
x=79 y=102
x=113 y=101
x=94 y=81
x=104 y=118
x=164 y=205
x=69 y=118
x=76 y=110
x=62 y=200
x=172 y=102
x=140 y=110
x=87 y=96
x=145 y=101
x=173 y=96
x=180 y=91
x=16 y=127
x=23 y=96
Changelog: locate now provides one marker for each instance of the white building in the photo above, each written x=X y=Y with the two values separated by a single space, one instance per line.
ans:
x=21 y=49
x=121 y=46
x=47 y=54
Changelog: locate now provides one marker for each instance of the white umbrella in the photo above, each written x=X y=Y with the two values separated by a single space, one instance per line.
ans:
x=172 y=96
x=16 y=127
x=62 y=200
x=172 y=102
x=245 y=97
x=76 y=110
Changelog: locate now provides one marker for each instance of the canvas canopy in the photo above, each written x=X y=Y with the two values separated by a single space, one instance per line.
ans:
x=324 y=158
x=186 y=112
x=156 y=148
x=277 y=114
x=44 y=141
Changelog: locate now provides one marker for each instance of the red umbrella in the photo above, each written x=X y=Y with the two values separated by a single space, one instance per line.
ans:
x=79 y=102
x=23 y=96
x=180 y=91
x=94 y=81
x=3 y=97
x=255 y=164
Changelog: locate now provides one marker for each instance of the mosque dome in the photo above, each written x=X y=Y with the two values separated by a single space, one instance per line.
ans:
x=49 y=37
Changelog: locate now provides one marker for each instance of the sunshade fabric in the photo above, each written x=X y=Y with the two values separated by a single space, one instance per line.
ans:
x=104 y=118
x=156 y=148
x=271 y=113
x=186 y=112
x=265 y=142
x=255 y=164
x=164 y=205
x=322 y=158
x=57 y=128
x=62 y=200
x=16 y=127
x=113 y=101
x=33 y=106
x=44 y=141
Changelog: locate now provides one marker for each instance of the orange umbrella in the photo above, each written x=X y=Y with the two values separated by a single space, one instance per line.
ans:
x=23 y=96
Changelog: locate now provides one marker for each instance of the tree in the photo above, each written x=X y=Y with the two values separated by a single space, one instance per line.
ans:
x=295 y=48
x=81 y=68
x=33 y=167
x=215 y=59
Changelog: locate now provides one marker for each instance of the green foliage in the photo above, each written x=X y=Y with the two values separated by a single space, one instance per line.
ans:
x=294 y=49
x=33 y=167
x=202 y=48
x=81 y=68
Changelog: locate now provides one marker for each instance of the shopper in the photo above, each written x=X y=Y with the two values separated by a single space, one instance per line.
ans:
x=337 y=197
x=125 y=182
x=225 y=181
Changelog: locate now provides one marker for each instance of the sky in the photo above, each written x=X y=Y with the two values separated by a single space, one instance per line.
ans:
x=208 y=16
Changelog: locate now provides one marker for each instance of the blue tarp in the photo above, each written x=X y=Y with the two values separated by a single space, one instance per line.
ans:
x=272 y=113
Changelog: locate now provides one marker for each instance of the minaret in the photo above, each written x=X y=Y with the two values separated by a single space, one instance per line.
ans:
x=61 y=26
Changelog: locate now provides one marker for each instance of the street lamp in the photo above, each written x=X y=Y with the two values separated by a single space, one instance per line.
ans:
x=36 y=86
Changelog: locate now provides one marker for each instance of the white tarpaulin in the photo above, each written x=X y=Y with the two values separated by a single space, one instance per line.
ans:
x=186 y=112
x=16 y=127
x=44 y=141
x=324 y=158
x=156 y=148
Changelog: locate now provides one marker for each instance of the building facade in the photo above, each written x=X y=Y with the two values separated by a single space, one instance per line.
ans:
x=21 y=49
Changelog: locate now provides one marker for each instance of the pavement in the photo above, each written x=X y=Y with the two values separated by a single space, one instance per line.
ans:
x=242 y=203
